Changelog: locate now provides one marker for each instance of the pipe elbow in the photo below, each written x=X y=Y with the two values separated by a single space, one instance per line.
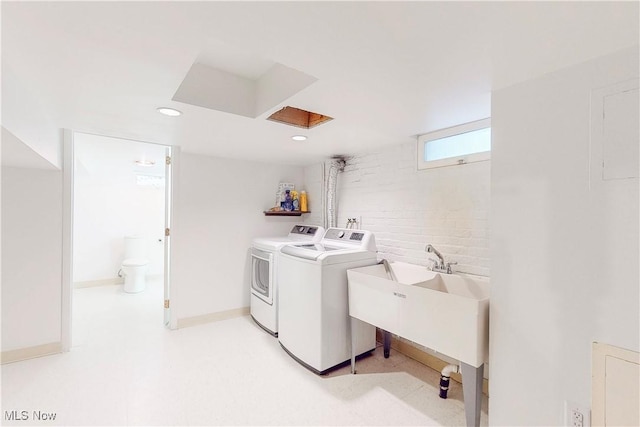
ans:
x=450 y=369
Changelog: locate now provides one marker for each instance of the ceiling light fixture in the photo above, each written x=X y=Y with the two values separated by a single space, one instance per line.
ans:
x=299 y=137
x=168 y=111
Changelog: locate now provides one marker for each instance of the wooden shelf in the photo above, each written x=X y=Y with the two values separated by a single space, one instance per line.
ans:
x=285 y=213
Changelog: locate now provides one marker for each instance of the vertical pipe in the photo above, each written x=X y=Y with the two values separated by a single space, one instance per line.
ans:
x=332 y=168
x=325 y=222
x=445 y=376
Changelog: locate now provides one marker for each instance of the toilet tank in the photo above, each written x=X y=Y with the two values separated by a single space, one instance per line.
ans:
x=135 y=247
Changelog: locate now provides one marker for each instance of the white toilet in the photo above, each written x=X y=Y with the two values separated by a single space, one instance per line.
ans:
x=135 y=264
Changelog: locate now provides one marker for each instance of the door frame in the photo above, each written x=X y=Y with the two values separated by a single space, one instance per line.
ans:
x=67 y=239
x=66 y=318
x=171 y=174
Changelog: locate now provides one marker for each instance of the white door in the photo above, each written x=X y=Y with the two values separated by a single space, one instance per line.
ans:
x=615 y=390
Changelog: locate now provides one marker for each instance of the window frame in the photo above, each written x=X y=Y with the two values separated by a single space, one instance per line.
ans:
x=424 y=139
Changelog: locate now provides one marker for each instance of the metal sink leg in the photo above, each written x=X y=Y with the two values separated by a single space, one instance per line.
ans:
x=472 y=391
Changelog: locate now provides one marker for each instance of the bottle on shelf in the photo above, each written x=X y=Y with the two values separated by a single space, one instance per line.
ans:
x=287 y=204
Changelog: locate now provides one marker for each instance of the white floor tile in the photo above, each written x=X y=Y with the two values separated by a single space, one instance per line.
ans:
x=125 y=368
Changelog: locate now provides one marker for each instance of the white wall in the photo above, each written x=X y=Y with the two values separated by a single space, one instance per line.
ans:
x=313 y=186
x=406 y=208
x=564 y=250
x=109 y=205
x=24 y=115
x=31 y=257
x=218 y=210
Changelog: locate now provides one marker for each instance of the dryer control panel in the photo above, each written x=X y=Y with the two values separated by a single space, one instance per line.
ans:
x=304 y=230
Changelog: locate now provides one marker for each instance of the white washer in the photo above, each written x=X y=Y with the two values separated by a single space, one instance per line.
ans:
x=264 y=267
x=314 y=324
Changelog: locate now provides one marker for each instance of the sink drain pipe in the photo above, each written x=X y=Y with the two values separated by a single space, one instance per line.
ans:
x=445 y=376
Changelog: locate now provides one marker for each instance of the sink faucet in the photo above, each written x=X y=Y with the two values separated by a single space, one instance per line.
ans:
x=439 y=266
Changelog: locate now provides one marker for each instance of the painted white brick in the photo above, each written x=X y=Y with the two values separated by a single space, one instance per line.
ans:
x=406 y=208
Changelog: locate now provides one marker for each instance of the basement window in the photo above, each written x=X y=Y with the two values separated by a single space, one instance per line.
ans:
x=150 y=181
x=457 y=145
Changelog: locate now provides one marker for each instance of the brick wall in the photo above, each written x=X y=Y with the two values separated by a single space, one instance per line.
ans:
x=406 y=208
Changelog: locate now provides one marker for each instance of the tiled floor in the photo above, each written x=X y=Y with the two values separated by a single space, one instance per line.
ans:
x=125 y=368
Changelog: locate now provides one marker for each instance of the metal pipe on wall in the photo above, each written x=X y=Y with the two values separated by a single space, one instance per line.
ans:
x=331 y=170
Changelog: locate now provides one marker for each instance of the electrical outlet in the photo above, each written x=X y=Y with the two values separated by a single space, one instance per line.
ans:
x=577 y=418
x=576 y=415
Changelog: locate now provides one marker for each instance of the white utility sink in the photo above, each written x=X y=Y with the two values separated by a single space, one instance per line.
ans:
x=448 y=313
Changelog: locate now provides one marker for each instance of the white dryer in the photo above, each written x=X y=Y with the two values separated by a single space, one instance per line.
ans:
x=264 y=267
x=314 y=324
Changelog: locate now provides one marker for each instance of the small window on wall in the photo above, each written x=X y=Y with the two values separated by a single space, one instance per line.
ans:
x=150 y=181
x=467 y=143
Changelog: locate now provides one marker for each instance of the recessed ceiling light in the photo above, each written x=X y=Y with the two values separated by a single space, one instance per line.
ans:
x=169 y=111
x=146 y=163
x=299 y=137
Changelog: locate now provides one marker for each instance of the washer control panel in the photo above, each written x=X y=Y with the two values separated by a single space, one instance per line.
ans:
x=357 y=238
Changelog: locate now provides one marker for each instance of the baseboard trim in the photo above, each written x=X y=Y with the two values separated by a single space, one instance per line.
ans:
x=26 y=353
x=94 y=283
x=108 y=282
x=425 y=358
x=213 y=317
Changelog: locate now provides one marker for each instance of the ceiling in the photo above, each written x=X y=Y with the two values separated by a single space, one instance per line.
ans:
x=385 y=71
x=104 y=156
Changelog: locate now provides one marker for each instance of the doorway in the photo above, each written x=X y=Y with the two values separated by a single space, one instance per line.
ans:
x=120 y=189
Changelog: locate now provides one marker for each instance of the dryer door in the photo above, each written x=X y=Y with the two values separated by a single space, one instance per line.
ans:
x=262 y=275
